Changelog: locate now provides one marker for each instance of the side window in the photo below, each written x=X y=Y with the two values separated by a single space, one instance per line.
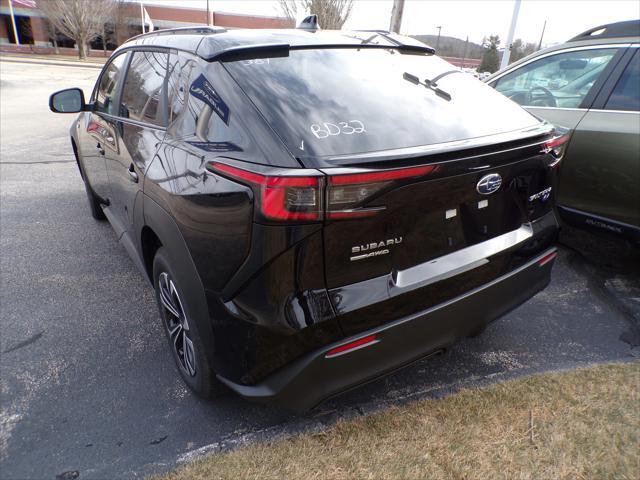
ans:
x=198 y=109
x=561 y=80
x=180 y=68
x=626 y=94
x=145 y=88
x=107 y=86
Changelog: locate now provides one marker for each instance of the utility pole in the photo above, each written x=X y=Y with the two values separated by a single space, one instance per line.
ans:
x=464 y=54
x=396 y=16
x=512 y=31
x=542 y=34
x=208 y=17
x=142 y=16
x=13 y=24
x=438 y=40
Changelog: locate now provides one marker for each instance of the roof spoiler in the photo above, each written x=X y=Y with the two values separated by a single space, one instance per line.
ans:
x=271 y=50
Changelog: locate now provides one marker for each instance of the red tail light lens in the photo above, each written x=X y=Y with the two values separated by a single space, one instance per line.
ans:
x=346 y=193
x=556 y=147
x=281 y=197
x=301 y=197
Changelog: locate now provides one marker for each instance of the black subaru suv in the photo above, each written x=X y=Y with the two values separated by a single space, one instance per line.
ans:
x=314 y=209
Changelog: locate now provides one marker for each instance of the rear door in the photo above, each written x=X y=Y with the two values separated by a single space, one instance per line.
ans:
x=139 y=130
x=601 y=177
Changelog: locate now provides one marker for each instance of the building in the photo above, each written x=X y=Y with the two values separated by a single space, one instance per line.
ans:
x=37 y=35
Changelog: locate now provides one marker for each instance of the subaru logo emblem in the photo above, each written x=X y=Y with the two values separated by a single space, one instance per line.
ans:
x=489 y=184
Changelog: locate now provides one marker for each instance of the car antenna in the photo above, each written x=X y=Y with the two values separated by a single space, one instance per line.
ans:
x=309 y=23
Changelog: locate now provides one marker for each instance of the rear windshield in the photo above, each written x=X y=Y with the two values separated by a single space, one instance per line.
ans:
x=328 y=102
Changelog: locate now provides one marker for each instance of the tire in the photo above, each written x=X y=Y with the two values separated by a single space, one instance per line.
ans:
x=94 y=203
x=182 y=334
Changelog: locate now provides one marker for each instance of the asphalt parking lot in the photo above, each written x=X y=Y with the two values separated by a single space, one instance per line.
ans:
x=88 y=386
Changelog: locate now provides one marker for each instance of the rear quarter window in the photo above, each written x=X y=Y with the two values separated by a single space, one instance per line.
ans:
x=199 y=113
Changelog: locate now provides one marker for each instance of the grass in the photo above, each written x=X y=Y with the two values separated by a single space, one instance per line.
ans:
x=583 y=424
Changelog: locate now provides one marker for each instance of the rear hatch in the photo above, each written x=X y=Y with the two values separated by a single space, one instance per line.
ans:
x=407 y=216
x=432 y=232
x=422 y=161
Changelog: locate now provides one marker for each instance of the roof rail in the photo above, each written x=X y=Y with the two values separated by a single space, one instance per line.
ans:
x=196 y=30
x=630 y=28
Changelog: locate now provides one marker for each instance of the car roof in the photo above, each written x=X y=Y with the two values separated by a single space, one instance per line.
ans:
x=610 y=34
x=210 y=42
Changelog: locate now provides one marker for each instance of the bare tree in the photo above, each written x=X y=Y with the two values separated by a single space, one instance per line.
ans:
x=81 y=20
x=331 y=13
x=53 y=35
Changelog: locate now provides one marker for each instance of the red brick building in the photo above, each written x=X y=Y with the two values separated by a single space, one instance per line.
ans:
x=36 y=35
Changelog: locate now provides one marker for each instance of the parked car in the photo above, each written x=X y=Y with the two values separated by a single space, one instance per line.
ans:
x=590 y=85
x=309 y=220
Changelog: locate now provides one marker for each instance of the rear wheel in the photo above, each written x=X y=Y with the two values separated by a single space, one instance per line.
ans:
x=182 y=331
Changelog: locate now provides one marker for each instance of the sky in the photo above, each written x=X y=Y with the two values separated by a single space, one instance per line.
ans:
x=459 y=18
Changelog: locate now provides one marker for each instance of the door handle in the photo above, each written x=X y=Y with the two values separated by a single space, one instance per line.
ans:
x=133 y=174
x=100 y=149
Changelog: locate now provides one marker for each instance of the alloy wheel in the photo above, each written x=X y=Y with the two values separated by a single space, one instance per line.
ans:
x=177 y=324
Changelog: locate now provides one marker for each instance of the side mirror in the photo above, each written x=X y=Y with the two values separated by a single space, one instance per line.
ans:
x=70 y=100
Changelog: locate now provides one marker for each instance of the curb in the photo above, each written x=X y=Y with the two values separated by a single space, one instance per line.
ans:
x=51 y=62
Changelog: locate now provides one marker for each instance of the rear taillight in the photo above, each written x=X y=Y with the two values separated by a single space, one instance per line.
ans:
x=301 y=198
x=556 y=147
x=346 y=193
x=281 y=197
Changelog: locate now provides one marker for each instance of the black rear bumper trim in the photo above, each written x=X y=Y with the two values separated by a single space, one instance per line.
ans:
x=307 y=381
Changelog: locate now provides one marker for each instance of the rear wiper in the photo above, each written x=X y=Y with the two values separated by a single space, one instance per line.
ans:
x=430 y=84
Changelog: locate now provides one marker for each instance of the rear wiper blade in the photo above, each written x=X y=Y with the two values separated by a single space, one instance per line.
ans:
x=430 y=84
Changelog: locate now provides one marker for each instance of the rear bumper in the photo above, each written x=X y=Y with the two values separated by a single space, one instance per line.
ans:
x=307 y=381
